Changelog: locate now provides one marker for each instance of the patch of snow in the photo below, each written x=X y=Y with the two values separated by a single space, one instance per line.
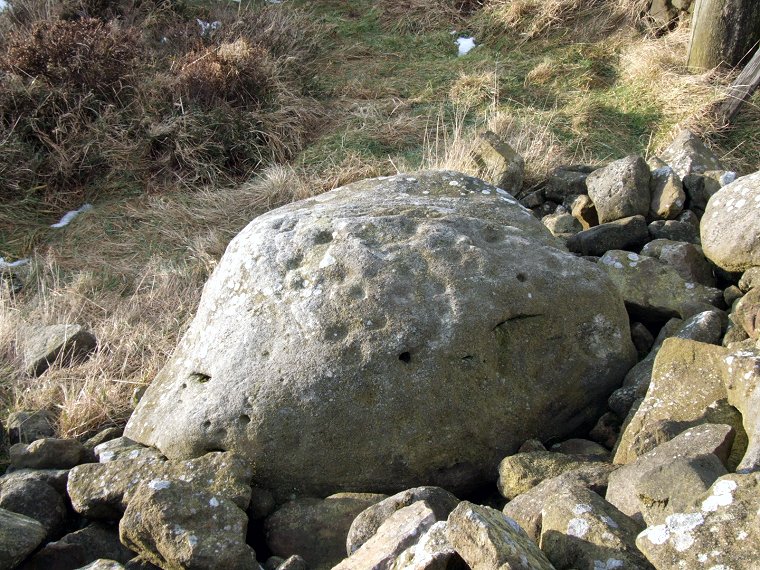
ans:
x=3 y=5
x=465 y=44
x=11 y=264
x=69 y=216
x=208 y=27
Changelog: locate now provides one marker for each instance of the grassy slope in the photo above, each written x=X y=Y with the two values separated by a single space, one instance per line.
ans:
x=132 y=270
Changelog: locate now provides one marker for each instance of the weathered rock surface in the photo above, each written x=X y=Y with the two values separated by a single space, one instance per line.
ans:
x=321 y=312
x=528 y=507
x=316 y=529
x=747 y=313
x=706 y=439
x=668 y=196
x=582 y=530
x=19 y=536
x=174 y=524
x=521 y=472
x=730 y=227
x=102 y=490
x=620 y=189
x=400 y=531
x=124 y=448
x=687 y=154
x=487 y=539
x=723 y=531
x=652 y=289
x=628 y=233
x=499 y=163
x=365 y=525
x=566 y=181
x=577 y=446
x=675 y=230
x=562 y=223
x=27 y=426
x=48 y=453
x=742 y=372
x=42 y=346
x=433 y=551
x=686 y=258
x=34 y=499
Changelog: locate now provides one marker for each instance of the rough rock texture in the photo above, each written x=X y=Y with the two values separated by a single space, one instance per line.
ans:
x=48 y=453
x=521 y=472
x=620 y=189
x=582 y=530
x=628 y=233
x=566 y=181
x=102 y=490
x=721 y=532
x=176 y=525
x=527 y=508
x=742 y=372
x=583 y=210
x=124 y=448
x=433 y=551
x=321 y=313
x=27 y=426
x=37 y=500
x=687 y=154
x=562 y=223
x=668 y=196
x=676 y=230
x=401 y=530
x=730 y=227
x=368 y=521
x=652 y=289
x=42 y=346
x=79 y=548
x=576 y=446
x=706 y=439
x=316 y=529
x=103 y=564
x=686 y=258
x=672 y=487
x=487 y=539
x=747 y=313
x=499 y=163
x=19 y=536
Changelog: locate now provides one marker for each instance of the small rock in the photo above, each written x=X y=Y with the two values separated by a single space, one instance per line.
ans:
x=747 y=313
x=674 y=230
x=581 y=447
x=499 y=163
x=294 y=562
x=687 y=154
x=487 y=539
x=124 y=448
x=562 y=223
x=527 y=508
x=521 y=472
x=262 y=503
x=19 y=536
x=397 y=533
x=702 y=440
x=365 y=525
x=731 y=294
x=103 y=564
x=583 y=210
x=316 y=529
x=177 y=525
x=620 y=189
x=433 y=551
x=750 y=279
x=67 y=344
x=34 y=499
x=582 y=530
x=48 y=453
x=567 y=181
x=668 y=196
x=531 y=445
x=28 y=426
x=642 y=339
x=607 y=430
x=103 y=436
x=627 y=233
x=686 y=258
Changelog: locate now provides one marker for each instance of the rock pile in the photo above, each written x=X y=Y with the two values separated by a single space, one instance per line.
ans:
x=426 y=337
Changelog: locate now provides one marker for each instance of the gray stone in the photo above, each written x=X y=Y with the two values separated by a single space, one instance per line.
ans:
x=487 y=539
x=562 y=223
x=732 y=294
x=531 y=445
x=432 y=552
x=583 y=209
x=749 y=279
x=521 y=472
x=642 y=339
x=620 y=189
x=103 y=490
x=365 y=525
x=56 y=478
x=672 y=487
x=731 y=225
x=294 y=562
x=686 y=258
x=706 y=439
x=499 y=163
x=103 y=564
x=125 y=448
x=582 y=530
x=582 y=447
x=628 y=233
x=526 y=509
x=721 y=531
x=66 y=344
x=742 y=381
x=653 y=290
x=607 y=430
x=674 y=230
x=175 y=524
x=747 y=313
x=566 y=181
x=320 y=312
x=316 y=529
x=27 y=426
x=19 y=536
x=400 y=531
x=668 y=196
x=76 y=549
x=48 y=453
x=103 y=436
x=37 y=500
x=687 y=154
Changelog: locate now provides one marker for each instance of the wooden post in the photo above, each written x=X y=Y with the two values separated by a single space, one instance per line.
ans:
x=741 y=89
x=722 y=32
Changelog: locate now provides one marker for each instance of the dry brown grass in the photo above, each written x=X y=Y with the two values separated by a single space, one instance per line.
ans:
x=419 y=16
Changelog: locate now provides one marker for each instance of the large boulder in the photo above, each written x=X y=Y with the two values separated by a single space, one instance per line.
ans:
x=426 y=314
x=731 y=225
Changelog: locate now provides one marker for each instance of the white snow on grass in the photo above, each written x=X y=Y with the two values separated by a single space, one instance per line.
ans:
x=3 y=5
x=11 y=264
x=465 y=44
x=68 y=216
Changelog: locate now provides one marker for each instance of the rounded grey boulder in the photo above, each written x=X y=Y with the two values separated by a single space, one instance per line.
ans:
x=392 y=333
